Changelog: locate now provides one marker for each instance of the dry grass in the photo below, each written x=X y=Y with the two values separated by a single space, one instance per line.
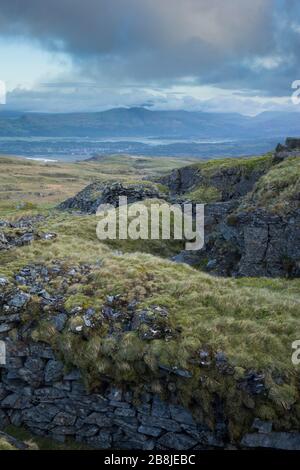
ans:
x=279 y=189
x=46 y=184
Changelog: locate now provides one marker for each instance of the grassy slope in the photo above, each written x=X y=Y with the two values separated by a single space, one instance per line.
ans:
x=279 y=189
x=254 y=321
x=248 y=164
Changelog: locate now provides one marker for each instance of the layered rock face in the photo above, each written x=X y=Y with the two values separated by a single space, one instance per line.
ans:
x=37 y=392
x=231 y=183
x=248 y=243
x=89 y=199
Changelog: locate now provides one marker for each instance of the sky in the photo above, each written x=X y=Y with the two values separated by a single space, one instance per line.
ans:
x=198 y=55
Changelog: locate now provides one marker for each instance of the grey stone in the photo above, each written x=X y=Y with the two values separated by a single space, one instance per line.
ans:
x=34 y=364
x=4 y=421
x=100 y=406
x=48 y=411
x=64 y=386
x=41 y=350
x=78 y=388
x=273 y=440
x=177 y=441
x=101 y=420
x=3 y=281
x=262 y=426
x=160 y=409
x=69 y=406
x=74 y=374
x=16 y=349
x=150 y=431
x=164 y=423
x=59 y=321
x=181 y=415
x=19 y=300
x=15 y=401
x=64 y=419
x=53 y=371
x=145 y=409
x=14 y=318
x=126 y=412
x=47 y=394
x=3 y=392
x=212 y=264
x=127 y=427
x=63 y=430
x=5 y=327
x=115 y=394
x=102 y=441
x=40 y=414
x=119 y=404
x=88 y=430
x=33 y=378
x=133 y=443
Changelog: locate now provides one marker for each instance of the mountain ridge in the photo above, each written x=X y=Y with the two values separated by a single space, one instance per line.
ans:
x=142 y=122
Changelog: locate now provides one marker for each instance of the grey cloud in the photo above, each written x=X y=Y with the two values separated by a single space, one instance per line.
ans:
x=160 y=41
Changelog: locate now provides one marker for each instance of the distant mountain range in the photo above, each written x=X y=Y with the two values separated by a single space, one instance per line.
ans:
x=141 y=122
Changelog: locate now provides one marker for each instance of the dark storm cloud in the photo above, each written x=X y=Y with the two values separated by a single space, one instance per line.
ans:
x=233 y=43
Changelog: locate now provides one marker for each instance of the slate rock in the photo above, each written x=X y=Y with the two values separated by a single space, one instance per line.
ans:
x=150 y=431
x=262 y=426
x=102 y=441
x=59 y=321
x=273 y=440
x=64 y=419
x=53 y=371
x=160 y=408
x=74 y=374
x=100 y=419
x=176 y=441
x=19 y=300
x=181 y=415
x=164 y=423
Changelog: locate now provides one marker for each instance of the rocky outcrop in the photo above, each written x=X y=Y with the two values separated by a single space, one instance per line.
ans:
x=290 y=149
x=22 y=232
x=89 y=199
x=255 y=244
x=269 y=243
x=231 y=182
x=244 y=237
